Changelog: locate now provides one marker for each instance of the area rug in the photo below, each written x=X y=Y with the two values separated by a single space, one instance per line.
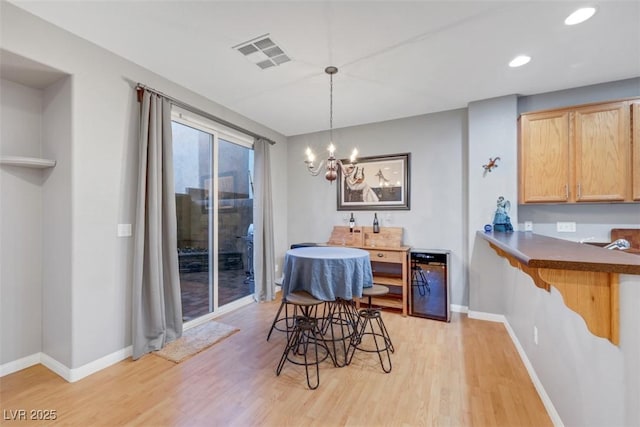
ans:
x=195 y=340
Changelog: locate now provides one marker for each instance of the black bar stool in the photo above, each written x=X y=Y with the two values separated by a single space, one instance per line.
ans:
x=288 y=320
x=338 y=326
x=371 y=325
x=304 y=344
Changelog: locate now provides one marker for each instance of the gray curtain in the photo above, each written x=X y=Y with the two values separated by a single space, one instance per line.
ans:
x=156 y=304
x=263 y=247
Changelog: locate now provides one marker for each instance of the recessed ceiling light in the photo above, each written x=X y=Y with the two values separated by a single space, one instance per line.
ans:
x=580 y=15
x=519 y=61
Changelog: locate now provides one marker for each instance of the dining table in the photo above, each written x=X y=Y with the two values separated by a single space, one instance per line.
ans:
x=328 y=273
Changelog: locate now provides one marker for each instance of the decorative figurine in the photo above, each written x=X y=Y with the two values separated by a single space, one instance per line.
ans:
x=490 y=166
x=501 y=220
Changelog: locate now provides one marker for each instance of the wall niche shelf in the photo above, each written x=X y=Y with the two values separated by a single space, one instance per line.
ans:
x=27 y=162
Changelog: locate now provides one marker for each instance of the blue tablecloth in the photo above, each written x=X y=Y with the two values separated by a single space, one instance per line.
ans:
x=327 y=272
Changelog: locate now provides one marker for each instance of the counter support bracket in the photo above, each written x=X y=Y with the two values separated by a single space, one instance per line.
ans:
x=593 y=295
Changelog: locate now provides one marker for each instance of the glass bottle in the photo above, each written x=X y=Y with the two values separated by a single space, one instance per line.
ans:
x=376 y=224
x=352 y=223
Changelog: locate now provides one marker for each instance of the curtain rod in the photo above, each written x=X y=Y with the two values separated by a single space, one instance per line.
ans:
x=174 y=101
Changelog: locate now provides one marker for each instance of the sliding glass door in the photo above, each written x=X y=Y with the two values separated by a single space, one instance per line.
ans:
x=214 y=207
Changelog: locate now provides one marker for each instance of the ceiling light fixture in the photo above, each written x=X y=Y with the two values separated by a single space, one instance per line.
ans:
x=332 y=163
x=580 y=15
x=519 y=61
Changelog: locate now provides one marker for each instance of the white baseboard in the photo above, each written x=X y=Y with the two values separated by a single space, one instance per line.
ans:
x=458 y=308
x=546 y=400
x=100 y=364
x=70 y=375
x=55 y=366
x=490 y=317
x=20 y=364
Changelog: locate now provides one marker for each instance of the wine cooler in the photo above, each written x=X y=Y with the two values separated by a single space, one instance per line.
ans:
x=429 y=284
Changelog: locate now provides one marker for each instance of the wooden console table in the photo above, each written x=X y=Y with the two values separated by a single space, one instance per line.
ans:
x=389 y=260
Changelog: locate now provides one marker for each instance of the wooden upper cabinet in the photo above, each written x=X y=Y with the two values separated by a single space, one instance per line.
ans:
x=544 y=157
x=635 y=141
x=603 y=152
x=580 y=154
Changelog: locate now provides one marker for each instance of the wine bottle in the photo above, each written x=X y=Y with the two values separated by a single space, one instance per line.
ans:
x=376 y=224
x=352 y=223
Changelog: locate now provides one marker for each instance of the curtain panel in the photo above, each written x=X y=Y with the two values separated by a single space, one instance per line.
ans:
x=156 y=303
x=263 y=237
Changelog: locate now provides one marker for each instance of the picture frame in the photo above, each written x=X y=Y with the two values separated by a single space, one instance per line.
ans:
x=375 y=183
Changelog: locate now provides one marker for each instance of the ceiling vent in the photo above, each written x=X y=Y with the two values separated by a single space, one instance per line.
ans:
x=263 y=52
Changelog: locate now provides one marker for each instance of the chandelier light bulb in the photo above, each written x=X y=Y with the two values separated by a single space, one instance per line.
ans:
x=354 y=154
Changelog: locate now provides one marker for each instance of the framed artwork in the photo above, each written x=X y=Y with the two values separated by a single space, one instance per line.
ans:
x=374 y=183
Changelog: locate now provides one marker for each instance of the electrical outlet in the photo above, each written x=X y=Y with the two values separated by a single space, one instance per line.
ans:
x=276 y=268
x=528 y=226
x=566 y=227
x=535 y=335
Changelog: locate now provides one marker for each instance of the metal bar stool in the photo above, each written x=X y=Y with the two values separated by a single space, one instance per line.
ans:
x=305 y=345
x=289 y=320
x=371 y=325
x=338 y=326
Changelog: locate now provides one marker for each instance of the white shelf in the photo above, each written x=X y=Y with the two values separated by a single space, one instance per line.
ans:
x=27 y=162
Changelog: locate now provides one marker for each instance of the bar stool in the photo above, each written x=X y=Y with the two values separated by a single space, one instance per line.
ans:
x=338 y=327
x=370 y=324
x=305 y=339
x=289 y=320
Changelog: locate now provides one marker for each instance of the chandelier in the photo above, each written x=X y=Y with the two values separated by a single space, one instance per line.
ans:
x=331 y=168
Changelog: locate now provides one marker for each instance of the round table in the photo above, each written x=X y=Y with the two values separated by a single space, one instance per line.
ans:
x=327 y=272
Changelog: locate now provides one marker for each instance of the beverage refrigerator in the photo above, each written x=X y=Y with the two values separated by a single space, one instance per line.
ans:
x=429 y=284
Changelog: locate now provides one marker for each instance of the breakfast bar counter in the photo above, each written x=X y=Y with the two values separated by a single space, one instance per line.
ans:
x=586 y=276
x=534 y=250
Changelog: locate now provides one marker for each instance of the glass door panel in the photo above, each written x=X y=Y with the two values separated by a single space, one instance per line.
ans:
x=192 y=163
x=235 y=222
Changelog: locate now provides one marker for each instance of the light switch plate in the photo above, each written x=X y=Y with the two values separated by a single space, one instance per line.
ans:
x=124 y=230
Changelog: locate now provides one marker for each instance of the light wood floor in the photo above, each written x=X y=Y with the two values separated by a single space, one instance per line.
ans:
x=464 y=373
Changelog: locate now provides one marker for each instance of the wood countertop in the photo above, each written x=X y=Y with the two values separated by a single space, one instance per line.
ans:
x=536 y=251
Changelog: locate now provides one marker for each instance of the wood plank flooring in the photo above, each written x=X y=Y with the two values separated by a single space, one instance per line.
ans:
x=463 y=373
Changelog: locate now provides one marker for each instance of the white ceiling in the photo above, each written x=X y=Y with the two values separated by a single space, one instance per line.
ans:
x=395 y=59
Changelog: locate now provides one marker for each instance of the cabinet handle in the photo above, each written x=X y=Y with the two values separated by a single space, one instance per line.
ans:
x=566 y=191
x=579 y=192
x=380 y=255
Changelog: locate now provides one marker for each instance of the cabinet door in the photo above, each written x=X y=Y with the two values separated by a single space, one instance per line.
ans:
x=603 y=152
x=635 y=141
x=544 y=157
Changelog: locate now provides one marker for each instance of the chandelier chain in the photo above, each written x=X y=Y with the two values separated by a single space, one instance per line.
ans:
x=331 y=107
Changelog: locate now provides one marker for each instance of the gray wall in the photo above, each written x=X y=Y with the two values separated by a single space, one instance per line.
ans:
x=99 y=164
x=593 y=221
x=437 y=215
